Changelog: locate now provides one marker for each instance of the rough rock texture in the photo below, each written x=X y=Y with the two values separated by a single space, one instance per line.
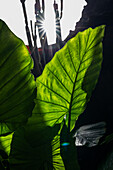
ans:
x=100 y=107
x=95 y=13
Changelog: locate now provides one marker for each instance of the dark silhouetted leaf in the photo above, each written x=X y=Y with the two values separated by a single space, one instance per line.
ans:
x=17 y=85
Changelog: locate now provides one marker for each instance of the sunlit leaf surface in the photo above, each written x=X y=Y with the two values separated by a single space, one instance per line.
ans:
x=56 y=156
x=5 y=143
x=16 y=81
x=67 y=81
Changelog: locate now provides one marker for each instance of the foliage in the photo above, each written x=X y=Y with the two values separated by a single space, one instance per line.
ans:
x=63 y=90
x=17 y=85
x=67 y=81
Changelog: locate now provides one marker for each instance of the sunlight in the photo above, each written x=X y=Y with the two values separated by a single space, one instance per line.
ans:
x=72 y=11
x=40 y=24
x=49 y=27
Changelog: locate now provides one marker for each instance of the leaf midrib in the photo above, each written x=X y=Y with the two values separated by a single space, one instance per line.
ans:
x=77 y=72
x=69 y=120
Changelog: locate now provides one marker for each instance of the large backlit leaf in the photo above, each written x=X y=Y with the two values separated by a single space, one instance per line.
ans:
x=16 y=81
x=67 y=81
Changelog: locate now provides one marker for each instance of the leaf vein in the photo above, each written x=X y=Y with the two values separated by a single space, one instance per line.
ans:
x=54 y=92
x=59 y=81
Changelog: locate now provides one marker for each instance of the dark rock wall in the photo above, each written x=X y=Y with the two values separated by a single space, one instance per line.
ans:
x=95 y=13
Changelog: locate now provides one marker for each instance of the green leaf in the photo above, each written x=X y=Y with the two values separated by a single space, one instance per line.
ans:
x=5 y=143
x=17 y=85
x=41 y=149
x=36 y=151
x=56 y=155
x=67 y=82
